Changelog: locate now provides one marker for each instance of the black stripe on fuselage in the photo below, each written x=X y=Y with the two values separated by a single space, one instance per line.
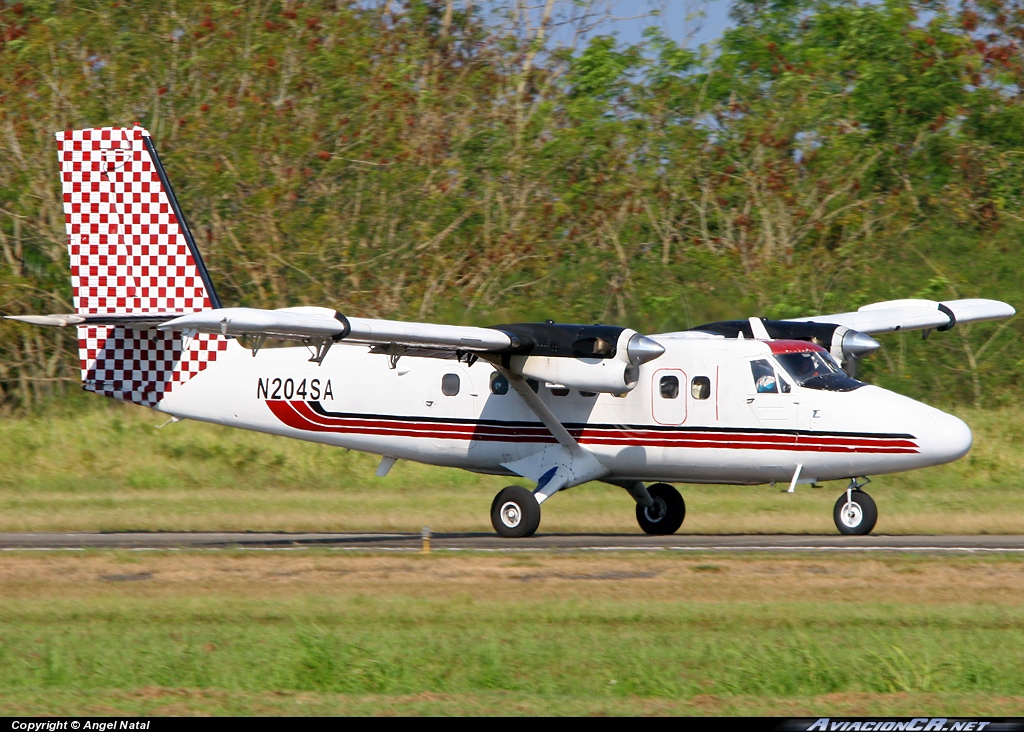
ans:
x=319 y=409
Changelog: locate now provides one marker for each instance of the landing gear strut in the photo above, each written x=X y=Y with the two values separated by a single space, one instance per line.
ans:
x=666 y=514
x=515 y=512
x=855 y=512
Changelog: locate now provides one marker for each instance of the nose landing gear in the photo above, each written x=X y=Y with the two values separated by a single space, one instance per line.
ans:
x=666 y=513
x=855 y=512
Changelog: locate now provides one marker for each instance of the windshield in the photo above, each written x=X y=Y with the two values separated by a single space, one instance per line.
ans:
x=817 y=370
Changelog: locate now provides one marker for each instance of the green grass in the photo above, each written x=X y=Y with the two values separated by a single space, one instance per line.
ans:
x=400 y=646
x=107 y=467
x=233 y=632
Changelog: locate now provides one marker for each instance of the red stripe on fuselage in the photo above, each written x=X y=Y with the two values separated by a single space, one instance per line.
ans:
x=299 y=415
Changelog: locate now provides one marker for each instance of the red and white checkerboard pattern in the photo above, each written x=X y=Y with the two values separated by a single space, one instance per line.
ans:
x=142 y=366
x=128 y=256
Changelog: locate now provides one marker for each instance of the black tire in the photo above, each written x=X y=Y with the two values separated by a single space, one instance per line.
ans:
x=667 y=514
x=860 y=518
x=515 y=512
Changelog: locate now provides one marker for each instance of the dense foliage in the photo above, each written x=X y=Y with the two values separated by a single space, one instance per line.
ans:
x=435 y=159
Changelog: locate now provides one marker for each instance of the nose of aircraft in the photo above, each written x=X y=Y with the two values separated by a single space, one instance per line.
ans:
x=940 y=437
x=943 y=438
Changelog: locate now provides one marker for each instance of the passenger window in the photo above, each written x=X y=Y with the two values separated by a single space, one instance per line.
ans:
x=669 y=386
x=700 y=387
x=764 y=377
x=499 y=384
x=533 y=384
x=588 y=393
x=560 y=392
x=450 y=384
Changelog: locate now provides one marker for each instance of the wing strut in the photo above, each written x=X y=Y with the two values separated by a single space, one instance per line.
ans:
x=553 y=467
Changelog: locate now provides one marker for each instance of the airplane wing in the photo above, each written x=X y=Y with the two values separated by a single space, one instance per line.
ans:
x=317 y=323
x=323 y=327
x=599 y=358
x=898 y=315
x=847 y=336
x=300 y=324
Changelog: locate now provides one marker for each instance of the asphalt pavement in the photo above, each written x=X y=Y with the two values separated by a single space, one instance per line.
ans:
x=492 y=542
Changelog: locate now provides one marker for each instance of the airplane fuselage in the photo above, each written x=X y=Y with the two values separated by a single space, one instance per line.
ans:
x=695 y=415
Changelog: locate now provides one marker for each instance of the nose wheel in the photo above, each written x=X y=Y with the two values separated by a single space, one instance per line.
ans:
x=666 y=515
x=855 y=512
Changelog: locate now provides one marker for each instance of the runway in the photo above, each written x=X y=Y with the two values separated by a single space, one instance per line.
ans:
x=384 y=542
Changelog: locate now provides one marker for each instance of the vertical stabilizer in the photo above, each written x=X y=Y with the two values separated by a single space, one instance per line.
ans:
x=131 y=253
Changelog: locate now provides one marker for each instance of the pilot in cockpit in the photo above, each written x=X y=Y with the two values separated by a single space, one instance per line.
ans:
x=807 y=367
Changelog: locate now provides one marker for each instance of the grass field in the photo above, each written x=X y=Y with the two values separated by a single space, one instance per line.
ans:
x=108 y=468
x=317 y=632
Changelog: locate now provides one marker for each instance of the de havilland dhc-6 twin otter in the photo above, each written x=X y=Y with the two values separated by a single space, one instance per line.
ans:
x=741 y=402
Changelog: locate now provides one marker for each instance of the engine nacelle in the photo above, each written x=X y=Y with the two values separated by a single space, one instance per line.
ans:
x=615 y=371
x=591 y=374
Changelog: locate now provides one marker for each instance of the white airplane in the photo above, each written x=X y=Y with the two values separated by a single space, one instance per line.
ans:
x=742 y=402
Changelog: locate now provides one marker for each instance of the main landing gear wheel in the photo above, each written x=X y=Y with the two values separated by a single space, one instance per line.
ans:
x=667 y=513
x=856 y=516
x=515 y=512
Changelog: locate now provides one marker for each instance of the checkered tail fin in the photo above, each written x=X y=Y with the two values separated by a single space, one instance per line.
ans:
x=132 y=255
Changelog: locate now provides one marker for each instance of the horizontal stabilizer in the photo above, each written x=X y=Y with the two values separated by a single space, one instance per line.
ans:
x=138 y=321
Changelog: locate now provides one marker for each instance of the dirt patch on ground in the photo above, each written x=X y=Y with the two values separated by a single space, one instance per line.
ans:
x=664 y=576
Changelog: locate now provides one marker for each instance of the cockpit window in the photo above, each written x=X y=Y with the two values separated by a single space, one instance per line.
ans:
x=764 y=377
x=817 y=370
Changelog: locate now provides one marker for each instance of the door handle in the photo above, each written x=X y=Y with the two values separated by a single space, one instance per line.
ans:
x=750 y=400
